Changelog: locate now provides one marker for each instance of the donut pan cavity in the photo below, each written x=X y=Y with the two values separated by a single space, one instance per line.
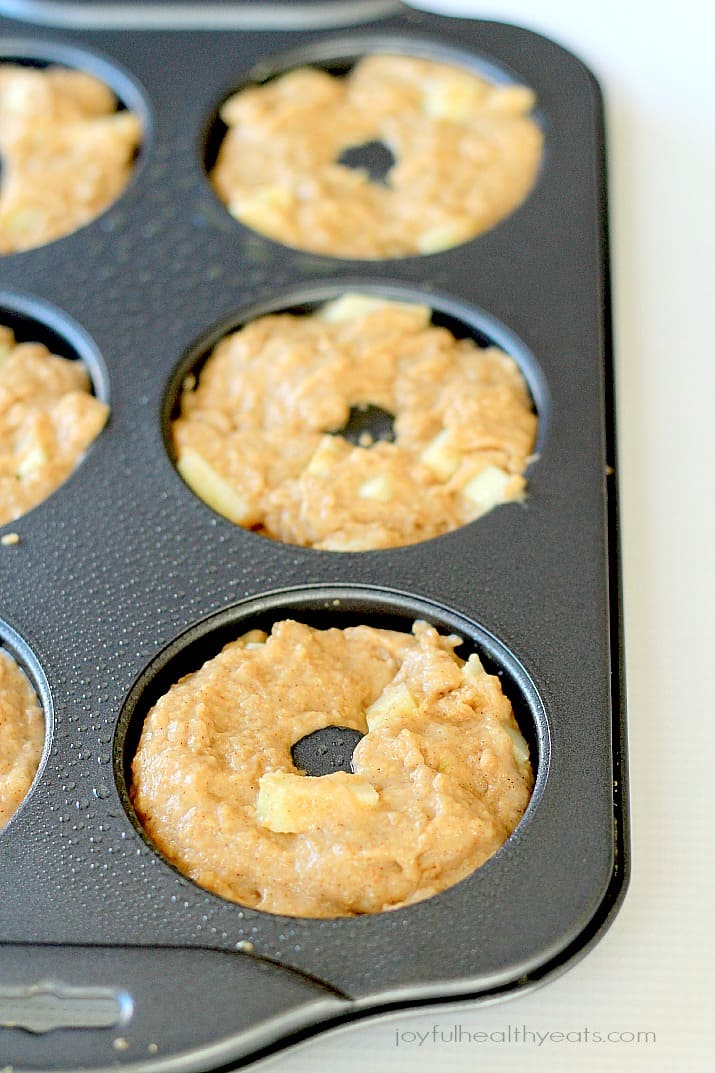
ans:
x=123 y=579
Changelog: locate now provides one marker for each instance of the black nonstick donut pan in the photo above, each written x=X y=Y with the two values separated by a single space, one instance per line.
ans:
x=123 y=580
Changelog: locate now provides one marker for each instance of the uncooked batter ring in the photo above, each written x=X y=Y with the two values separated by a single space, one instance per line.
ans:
x=67 y=153
x=258 y=436
x=440 y=779
x=466 y=155
x=48 y=420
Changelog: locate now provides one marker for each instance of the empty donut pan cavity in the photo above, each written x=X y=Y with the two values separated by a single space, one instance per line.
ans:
x=122 y=580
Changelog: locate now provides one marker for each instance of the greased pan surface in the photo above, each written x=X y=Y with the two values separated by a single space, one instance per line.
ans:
x=123 y=580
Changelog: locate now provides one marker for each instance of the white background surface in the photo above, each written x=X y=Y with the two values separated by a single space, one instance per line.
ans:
x=653 y=970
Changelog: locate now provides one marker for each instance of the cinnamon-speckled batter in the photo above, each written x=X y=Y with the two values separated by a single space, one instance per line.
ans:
x=22 y=735
x=253 y=436
x=66 y=152
x=466 y=155
x=48 y=418
x=441 y=777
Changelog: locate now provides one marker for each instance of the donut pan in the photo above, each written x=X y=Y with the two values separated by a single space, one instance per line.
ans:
x=122 y=580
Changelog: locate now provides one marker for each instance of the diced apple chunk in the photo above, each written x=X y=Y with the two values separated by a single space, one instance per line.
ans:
x=444 y=763
x=510 y=100
x=521 y=749
x=268 y=197
x=33 y=459
x=491 y=486
x=18 y=93
x=288 y=803
x=441 y=459
x=394 y=705
x=254 y=639
x=210 y=486
x=327 y=454
x=444 y=236
x=345 y=542
x=21 y=219
x=264 y=208
x=473 y=668
x=452 y=99
x=379 y=488
x=351 y=306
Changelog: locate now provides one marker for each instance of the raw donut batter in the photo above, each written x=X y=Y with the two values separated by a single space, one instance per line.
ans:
x=48 y=418
x=253 y=436
x=22 y=734
x=441 y=777
x=466 y=155
x=66 y=152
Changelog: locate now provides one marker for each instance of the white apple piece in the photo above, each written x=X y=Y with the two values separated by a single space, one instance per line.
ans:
x=394 y=705
x=210 y=486
x=289 y=803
